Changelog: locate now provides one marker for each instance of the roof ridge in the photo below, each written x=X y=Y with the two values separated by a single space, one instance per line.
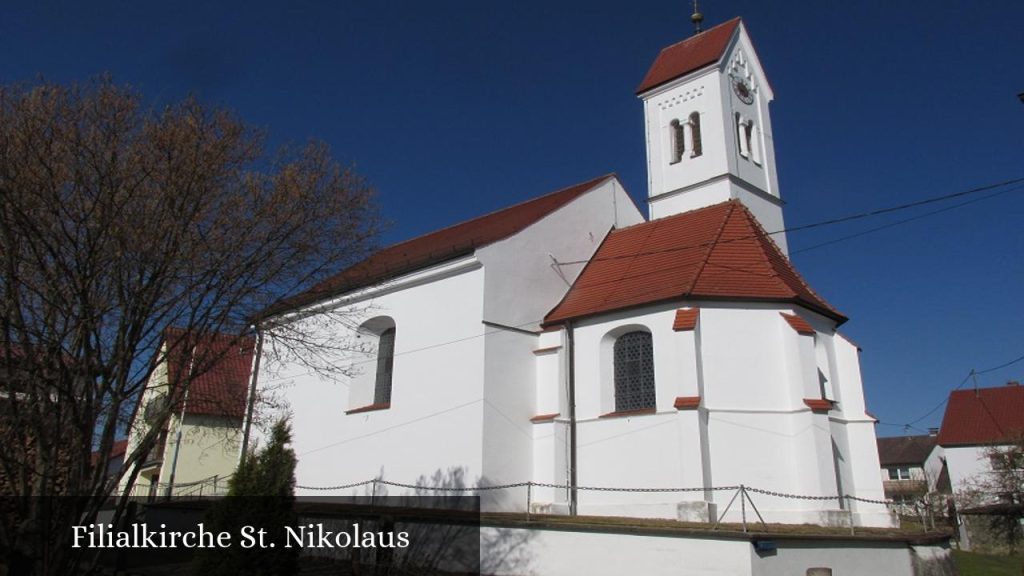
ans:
x=590 y=184
x=711 y=247
x=696 y=36
x=689 y=55
x=768 y=244
x=632 y=260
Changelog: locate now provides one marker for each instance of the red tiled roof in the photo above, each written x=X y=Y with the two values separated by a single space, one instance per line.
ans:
x=715 y=253
x=799 y=324
x=118 y=448
x=686 y=319
x=223 y=364
x=436 y=247
x=691 y=54
x=684 y=402
x=818 y=404
x=983 y=416
x=904 y=450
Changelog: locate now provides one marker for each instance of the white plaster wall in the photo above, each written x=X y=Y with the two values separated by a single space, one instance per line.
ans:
x=523 y=281
x=933 y=466
x=761 y=175
x=571 y=553
x=699 y=92
x=753 y=372
x=566 y=552
x=433 y=429
x=966 y=464
x=844 y=558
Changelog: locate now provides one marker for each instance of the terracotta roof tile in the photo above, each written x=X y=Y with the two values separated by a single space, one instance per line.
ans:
x=904 y=450
x=684 y=402
x=436 y=247
x=222 y=386
x=799 y=324
x=818 y=404
x=715 y=253
x=686 y=319
x=691 y=54
x=983 y=416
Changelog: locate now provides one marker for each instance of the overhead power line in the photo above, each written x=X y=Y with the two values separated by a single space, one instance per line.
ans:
x=970 y=375
x=838 y=220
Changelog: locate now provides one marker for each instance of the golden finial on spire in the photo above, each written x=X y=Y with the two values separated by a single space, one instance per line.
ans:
x=696 y=18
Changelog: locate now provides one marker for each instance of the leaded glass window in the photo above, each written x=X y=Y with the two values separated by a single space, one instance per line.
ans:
x=385 y=365
x=634 y=372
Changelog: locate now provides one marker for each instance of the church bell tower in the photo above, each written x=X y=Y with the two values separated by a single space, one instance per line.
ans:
x=708 y=130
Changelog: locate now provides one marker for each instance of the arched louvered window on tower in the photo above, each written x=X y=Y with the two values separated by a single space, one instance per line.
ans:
x=696 y=147
x=634 y=372
x=385 y=365
x=742 y=136
x=678 y=142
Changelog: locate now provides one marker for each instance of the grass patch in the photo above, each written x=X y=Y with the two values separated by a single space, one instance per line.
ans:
x=976 y=564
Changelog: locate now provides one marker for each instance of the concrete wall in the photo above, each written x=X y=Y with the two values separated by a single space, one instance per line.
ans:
x=569 y=552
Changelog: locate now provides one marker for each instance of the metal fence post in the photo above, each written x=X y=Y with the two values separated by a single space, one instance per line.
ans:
x=849 y=510
x=743 y=506
x=373 y=491
x=529 y=498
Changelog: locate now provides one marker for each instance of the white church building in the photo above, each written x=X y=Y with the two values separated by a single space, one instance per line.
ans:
x=570 y=342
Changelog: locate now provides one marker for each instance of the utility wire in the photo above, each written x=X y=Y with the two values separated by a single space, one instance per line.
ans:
x=829 y=222
x=970 y=375
x=903 y=221
x=795 y=228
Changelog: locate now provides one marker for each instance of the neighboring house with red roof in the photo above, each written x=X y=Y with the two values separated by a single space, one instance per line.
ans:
x=912 y=467
x=208 y=381
x=975 y=421
x=694 y=353
x=116 y=459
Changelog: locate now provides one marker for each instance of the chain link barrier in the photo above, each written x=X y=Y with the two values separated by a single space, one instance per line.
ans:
x=592 y=489
x=742 y=495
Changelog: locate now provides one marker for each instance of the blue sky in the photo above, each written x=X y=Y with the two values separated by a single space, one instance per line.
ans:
x=453 y=109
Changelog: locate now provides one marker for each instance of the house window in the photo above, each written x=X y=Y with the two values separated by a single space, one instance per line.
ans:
x=899 y=473
x=385 y=365
x=634 y=372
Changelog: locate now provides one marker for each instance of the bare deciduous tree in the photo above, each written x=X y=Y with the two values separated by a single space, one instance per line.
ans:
x=117 y=223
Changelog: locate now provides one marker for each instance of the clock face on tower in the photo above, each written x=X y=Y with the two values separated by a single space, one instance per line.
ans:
x=742 y=90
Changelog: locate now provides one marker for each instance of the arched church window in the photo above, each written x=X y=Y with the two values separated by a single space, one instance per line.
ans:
x=385 y=366
x=696 y=147
x=752 y=143
x=634 y=372
x=678 y=142
x=742 y=136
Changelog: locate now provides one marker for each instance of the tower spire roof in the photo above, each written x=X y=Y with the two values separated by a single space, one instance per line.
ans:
x=695 y=52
